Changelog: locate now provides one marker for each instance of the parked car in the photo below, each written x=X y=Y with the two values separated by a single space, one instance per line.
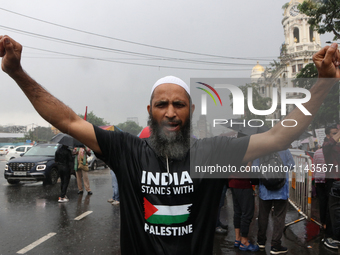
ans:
x=37 y=164
x=95 y=162
x=4 y=149
x=17 y=151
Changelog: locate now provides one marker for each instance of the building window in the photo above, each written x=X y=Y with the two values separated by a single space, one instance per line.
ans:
x=262 y=90
x=296 y=35
x=294 y=69
x=300 y=66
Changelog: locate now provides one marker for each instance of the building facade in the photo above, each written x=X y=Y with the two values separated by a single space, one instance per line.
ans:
x=301 y=42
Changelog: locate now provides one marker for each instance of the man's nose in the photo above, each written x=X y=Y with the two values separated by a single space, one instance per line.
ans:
x=170 y=112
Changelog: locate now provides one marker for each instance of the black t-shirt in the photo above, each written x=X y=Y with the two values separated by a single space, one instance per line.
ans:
x=164 y=210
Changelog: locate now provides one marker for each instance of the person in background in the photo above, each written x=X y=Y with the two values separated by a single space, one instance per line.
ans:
x=278 y=201
x=244 y=207
x=115 y=197
x=63 y=157
x=81 y=168
x=331 y=153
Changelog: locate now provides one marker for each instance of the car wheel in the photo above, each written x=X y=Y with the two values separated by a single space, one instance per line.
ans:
x=13 y=181
x=94 y=165
x=53 y=177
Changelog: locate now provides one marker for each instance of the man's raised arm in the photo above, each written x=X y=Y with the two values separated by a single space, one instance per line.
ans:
x=327 y=61
x=49 y=107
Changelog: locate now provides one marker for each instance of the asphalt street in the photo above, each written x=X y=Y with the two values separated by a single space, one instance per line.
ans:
x=33 y=222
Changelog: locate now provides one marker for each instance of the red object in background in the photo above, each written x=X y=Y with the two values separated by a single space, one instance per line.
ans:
x=85 y=116
x=145 y=133
x=312 y=230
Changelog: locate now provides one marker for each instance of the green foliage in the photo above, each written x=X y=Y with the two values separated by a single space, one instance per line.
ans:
x=324 y=15
x=285 y=6
x=130 y=127
x=306 y=77
x=93 y=119
x=259 y=102
x=329 y=110
x=39 y=134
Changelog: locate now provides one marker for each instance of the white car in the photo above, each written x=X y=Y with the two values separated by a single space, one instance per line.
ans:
x=5 y=149
x=17 y=151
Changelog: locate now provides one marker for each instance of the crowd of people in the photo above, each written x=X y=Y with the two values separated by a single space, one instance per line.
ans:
x=276 y=201
x=164 y=210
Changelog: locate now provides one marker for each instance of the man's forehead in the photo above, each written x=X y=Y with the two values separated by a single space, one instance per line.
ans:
x=169 y=90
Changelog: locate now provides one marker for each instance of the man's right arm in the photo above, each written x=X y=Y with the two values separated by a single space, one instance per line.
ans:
x=50 y=108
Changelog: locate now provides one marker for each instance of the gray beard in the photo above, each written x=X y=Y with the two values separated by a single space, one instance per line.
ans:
x=174 y=145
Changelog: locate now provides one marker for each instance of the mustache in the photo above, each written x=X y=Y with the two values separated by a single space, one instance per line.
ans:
x=170 y=122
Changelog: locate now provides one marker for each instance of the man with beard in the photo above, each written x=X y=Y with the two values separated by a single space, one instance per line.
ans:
x=164 y=210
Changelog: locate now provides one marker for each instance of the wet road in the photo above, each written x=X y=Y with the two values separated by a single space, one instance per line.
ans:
x=30 y=213
x=33 y=222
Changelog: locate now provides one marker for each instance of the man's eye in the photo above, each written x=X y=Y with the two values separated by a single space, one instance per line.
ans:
x=160 y=105
x=179 y=105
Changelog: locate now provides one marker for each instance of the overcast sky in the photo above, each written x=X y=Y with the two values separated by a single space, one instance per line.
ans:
x=71 y=48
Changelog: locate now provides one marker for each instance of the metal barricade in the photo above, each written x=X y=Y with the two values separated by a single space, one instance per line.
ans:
x=300 y=188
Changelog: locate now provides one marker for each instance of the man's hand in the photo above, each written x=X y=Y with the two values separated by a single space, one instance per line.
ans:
x=327 y=61
x=10 y=51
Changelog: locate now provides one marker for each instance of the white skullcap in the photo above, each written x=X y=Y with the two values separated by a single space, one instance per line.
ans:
x=173 y=80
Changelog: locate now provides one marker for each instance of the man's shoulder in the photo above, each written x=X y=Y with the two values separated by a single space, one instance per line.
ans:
x=222 y=142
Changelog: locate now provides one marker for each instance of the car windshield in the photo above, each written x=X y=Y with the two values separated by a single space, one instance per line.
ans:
x=42 y=150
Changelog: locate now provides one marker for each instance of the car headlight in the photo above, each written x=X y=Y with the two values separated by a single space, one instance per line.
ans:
x=41 y=166
x=6 y=167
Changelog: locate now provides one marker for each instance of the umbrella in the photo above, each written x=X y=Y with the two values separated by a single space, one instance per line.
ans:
x=145 y=133
x=244 y=129
x=66 y=139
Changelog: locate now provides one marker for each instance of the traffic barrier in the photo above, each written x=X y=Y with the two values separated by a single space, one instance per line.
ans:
x=300 y=188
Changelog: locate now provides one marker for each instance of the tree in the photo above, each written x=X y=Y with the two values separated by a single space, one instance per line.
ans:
x=130 y=127
x=259 y=102
x=41 y=134
x=324 y=15
x=329 y=110
x=93 y=119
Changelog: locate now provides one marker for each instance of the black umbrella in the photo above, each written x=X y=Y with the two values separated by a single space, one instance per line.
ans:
x=66 y=139
x=244 y=129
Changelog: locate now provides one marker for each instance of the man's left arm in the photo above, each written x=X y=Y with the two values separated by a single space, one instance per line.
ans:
x=278 y=138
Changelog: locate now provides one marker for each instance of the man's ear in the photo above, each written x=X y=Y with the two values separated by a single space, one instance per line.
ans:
x=148 y=108
x=192 y=108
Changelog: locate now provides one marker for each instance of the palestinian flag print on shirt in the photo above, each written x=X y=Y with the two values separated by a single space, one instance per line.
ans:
x=166 y=214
